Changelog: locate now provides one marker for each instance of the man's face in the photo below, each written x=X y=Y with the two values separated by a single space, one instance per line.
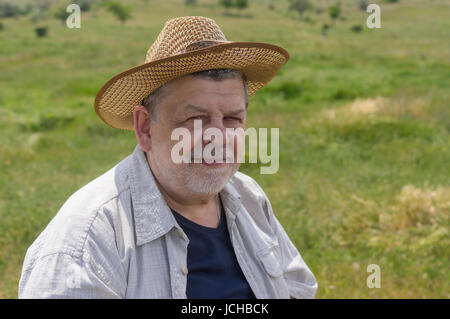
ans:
x=217 y=104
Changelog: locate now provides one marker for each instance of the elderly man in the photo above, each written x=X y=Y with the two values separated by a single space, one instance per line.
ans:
x=154 y=228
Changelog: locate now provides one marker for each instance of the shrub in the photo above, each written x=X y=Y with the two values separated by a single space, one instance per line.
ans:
x=36 y=15
x=343 y=94
x=190 y=2
x=85 y=5
x=308 y=19
x=299 y=5
x=226 y=3
x=122 y=12
x=356 y=28
x=241 y=4
x=288 y=90
x=61 y=14
x=334 y=11
x=40 y=10
x=363 y=4
x=41 y=31
x=43 y=5
x=9 y=9
x=324 y=29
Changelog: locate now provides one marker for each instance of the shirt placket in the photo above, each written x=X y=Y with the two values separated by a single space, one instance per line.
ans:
x=239 y=249
x=177 y=243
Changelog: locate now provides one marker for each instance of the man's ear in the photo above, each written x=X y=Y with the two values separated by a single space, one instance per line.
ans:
x=141 y=121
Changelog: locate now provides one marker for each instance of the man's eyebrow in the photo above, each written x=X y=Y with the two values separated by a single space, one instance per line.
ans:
x=197 y=108
x=236 y=112
x=205 y=110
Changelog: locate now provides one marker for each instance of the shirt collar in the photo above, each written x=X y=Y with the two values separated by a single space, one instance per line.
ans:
x=152 y=215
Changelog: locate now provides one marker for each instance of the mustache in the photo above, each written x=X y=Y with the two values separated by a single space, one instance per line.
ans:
x=223 y=155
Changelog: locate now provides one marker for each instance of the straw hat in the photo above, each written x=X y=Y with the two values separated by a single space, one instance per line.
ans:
x=185 y=45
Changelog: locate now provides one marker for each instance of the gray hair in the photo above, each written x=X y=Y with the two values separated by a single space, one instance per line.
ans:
x=154 y=99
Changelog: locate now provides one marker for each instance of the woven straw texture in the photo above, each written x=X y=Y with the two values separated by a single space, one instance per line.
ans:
x=185 y=45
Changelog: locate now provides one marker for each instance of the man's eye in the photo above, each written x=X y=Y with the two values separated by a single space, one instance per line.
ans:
x=198 y=117
x=232 y=118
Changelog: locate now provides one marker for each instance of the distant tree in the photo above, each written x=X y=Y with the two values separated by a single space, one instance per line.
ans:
x=85 y=5
x=226 y=3
x=41 y=31
x=334 y=11
x=356 y=28
x=36 y=14
x=325 y=28
x=12 y=8
x=299 y=5
x=363 y=4
x=40 y=10
x=308 y=19
x=42 y=5
x=122 y=12
x=60 y=13
x=190 y=2
x=241 y=4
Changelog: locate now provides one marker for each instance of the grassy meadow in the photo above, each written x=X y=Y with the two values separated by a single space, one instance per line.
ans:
x=364 y=122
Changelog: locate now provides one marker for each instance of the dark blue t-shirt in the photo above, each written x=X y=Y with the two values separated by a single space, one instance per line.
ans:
x=214 y=271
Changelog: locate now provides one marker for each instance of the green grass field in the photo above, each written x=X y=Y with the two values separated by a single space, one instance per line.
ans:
x=364 y=124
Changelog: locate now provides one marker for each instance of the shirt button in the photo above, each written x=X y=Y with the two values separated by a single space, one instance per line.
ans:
x=184 y=270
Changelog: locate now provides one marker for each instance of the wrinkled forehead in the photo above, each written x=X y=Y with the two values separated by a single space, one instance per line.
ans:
x=222 y=108
x=206 y=96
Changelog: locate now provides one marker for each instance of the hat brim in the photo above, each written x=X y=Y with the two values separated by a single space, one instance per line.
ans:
x=116 y=100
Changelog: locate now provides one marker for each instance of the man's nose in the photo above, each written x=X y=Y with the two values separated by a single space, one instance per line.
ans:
x=215 y=125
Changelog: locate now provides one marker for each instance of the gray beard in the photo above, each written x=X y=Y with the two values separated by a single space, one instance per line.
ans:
x=210 y=183
x=201 y=181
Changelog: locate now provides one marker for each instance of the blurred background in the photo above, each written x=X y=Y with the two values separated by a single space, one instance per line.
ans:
x=363 y=114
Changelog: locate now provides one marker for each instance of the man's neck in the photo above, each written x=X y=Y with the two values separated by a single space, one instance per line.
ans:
x=201 y=210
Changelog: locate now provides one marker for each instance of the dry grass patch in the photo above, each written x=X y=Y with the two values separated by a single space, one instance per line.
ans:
x=369 y=109
x=418 y=220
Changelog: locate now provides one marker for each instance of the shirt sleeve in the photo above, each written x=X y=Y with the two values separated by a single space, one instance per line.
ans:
x=301 y=281
x=62 y=276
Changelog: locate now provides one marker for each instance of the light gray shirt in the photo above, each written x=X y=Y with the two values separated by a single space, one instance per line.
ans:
x=117 y=238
